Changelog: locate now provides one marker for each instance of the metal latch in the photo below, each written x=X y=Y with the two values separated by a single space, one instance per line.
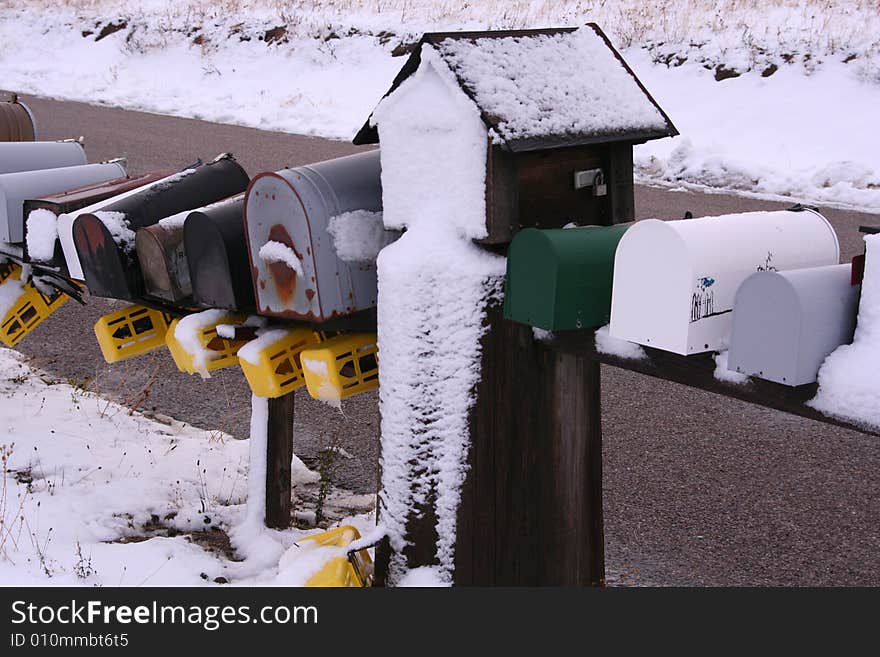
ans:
x=594 y=178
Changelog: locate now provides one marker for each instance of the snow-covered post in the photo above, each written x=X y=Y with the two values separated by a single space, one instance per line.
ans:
x=435 y=286
x=271 y=454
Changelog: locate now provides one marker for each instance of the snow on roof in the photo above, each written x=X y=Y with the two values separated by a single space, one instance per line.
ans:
x=538 y=89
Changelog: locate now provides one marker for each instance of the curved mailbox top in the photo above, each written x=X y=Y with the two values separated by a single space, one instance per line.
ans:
x=162 y=254
x=16 y=122
x=15 y=188
x=303 y=277
x=35 y=155
x=104 y=240
x=675 y=281
x=785 y=323
x=216 y=253
x=560 y=279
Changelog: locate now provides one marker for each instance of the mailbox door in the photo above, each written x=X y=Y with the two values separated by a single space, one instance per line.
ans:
x=294 y=207
x=160 y=252
x=216 y=252
x=16 y=122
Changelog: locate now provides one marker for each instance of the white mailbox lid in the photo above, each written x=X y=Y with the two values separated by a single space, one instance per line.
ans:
x=675 y=281
x=34 y=155
x=786 y=323
x=16 y=188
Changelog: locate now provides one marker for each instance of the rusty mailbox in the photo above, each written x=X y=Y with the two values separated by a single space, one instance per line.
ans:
x=297 y=271
x=216 y=251
x=105 y=239
x=161 y=251
x=17 y=122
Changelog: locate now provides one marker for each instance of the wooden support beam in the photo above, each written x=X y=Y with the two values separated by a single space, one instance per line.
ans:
x=698 y=371
x=278 y=461
x=531 y=508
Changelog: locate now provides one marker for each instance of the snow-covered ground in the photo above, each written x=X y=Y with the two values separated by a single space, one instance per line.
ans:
x=776 y=98
x=94 y=494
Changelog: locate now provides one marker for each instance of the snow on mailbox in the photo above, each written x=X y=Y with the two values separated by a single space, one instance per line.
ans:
x=15 y=188
x=36 y=155
x=216 y=250
x=105 y=239
x=675 y=281
x=560 y=279
x=560 y=111
x=300 y=222
x=785 y=323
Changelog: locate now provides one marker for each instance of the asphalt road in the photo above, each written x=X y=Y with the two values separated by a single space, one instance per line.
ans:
x=699 y=489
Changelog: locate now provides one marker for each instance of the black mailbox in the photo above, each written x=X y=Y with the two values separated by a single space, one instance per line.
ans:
x=216 y=250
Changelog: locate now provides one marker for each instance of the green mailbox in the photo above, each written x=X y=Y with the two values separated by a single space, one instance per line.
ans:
x=561 y=279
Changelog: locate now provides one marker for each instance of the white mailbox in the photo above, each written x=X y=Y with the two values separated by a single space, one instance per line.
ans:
x=786 y=323
x=675 y=281
x=15 y=188
x=33 y=155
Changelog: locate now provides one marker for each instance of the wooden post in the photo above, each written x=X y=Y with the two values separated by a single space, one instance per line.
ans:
x=531 y=509
x=279 y=457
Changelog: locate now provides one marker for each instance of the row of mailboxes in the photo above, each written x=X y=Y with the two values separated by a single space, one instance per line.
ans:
x=695 y=285
x=109 y=261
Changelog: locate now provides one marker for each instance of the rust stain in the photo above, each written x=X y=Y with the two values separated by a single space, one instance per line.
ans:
x=310 y=294
x=262 y=284
x=283 y=276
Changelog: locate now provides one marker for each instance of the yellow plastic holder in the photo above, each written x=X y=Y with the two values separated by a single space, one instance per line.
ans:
x=355 y=569
x=28 y=309
x=218 y=352
x=131 y=331
x=278 y=370
x=341 y=367
x=9 y=270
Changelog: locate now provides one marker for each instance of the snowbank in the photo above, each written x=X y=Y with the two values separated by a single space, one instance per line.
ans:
x=849 y=379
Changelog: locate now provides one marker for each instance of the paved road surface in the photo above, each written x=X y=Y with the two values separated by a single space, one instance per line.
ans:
x=699 y=489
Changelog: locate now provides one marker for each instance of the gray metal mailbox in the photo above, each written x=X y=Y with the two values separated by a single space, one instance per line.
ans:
x=785 y=323
x=297 y=271
x=33 y=155
x=15 y=188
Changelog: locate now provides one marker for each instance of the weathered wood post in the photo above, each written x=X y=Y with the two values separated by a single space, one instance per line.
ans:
x=279 y=456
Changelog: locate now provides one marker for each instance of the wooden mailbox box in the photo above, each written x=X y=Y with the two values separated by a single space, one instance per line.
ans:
x=161 y=252
x=36 y=155
x=785 y=323
x=560 y=279
x=675 y=281
x=545 y=174
x=109 y=264
x=15 y=188
x=292 y=209
x=216 y=251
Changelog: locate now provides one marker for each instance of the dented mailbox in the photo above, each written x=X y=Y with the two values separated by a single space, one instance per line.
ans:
x=675 y=281
x=785 y=323
x=15 y=188
x=216 y=252
x=36 y=155
x=299 y=274
x=162 y=254
x=104 y=240
x=560 y=280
